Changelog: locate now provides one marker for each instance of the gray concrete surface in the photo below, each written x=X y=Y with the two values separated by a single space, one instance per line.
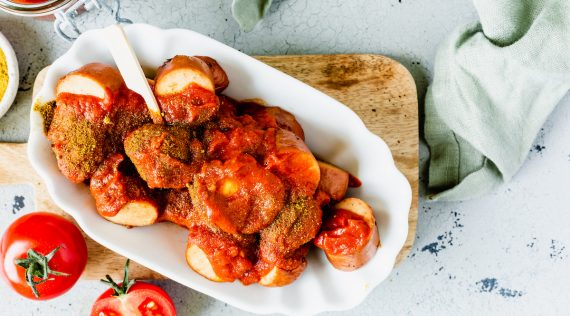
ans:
x=502 y=254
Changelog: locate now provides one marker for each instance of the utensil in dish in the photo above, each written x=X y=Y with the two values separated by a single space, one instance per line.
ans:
x=128 y=64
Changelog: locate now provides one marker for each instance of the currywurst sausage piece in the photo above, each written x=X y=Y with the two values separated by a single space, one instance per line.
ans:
x=334 y=181
x=271 y=116
x=78 y=144
x=219 y=76
x=349 y=237
x=286 y=121
x=184 y=88
x=283 y=270
x=121 y=198
x=97 y=80
x=84 y=98
x=178 y=209
x=219 y=256
x=165 y=156
x=280 y=276
x=297 y=224
x=179 y=72
x=292 y=160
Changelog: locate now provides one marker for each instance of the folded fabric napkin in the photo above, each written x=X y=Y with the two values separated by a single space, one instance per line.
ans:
x=495 y=83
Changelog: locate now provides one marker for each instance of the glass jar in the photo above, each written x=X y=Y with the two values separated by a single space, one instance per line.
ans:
x=63 y=12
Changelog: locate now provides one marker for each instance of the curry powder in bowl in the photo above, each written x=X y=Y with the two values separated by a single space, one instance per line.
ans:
x=3 y=74
x=9 y=77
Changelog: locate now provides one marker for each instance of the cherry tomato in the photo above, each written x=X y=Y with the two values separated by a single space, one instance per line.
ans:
x=42 y=255
x=133 y=298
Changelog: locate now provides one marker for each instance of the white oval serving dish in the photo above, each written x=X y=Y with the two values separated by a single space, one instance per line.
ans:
x=333 y=132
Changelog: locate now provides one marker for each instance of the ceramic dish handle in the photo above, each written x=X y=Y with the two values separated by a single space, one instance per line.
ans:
x=66 y=26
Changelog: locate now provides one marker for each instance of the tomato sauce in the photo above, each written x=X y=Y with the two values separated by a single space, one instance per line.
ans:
x=92 y=108
x=108 y=187
x=193 y=105
x=262 y=118
x=343 y=234
x=129 y=112
x=238 y=195
x=240 y=140
x=288 y=157
x=112 y=189
x=296 y=169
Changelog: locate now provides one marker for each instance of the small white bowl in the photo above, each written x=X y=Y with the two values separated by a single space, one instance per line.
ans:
x=13 y=76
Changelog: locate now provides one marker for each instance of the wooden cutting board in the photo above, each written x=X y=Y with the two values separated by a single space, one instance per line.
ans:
x=380 y=90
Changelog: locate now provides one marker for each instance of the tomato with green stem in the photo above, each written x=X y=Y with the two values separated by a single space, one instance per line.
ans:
x=132 y=298
x=42 y=255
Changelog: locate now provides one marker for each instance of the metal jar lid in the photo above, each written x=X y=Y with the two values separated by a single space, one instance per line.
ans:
x=38 y=9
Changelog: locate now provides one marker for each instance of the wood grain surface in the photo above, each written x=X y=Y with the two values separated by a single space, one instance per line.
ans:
x=380 y=90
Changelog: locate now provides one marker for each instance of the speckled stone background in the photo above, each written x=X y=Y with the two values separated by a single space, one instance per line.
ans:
x=502 y=254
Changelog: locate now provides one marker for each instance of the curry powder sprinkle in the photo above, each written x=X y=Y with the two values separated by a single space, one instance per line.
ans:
x=46 y=111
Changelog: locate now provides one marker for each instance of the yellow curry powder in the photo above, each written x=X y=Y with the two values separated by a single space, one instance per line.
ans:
x=3 y=74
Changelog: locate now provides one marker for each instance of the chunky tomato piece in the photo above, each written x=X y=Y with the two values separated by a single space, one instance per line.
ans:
x=343 y=233
x=195 y=105
x=238 y=195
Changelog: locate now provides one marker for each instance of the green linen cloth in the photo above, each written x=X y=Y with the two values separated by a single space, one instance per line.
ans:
x=495 y=83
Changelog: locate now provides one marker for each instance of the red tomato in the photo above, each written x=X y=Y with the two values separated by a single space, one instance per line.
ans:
x=133 y=299
x=29 y=240
x=142 y=299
